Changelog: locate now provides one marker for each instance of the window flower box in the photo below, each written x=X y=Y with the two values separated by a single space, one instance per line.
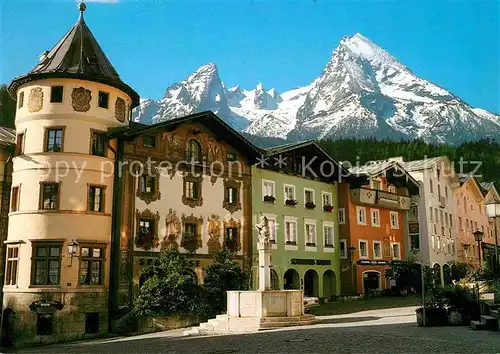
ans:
x=312 y=244
x=328 y=208
x=291 y=202
x=269 y=198
x=310 y=205
x=290 y=242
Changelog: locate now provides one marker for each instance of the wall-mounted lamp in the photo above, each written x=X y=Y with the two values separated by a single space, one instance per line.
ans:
x=72 y=246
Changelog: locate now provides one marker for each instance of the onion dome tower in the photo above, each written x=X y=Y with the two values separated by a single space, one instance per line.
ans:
x=62 y=189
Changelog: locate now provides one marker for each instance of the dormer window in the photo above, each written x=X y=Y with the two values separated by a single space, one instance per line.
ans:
x=103 y=99
x=194 y=151
x=56 y=94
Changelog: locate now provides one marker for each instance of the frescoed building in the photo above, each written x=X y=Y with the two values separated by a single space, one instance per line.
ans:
x=300 y=203
x=491 y=193
x=437 y=212
x=187 y=183
x=373 y=218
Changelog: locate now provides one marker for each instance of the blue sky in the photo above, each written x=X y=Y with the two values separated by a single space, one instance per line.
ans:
x=283 y=44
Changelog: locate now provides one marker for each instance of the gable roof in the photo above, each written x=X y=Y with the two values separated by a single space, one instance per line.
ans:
x=373 y=169
x=77 y=56
x=207 y=118
x=280 y=149
x=7 y=136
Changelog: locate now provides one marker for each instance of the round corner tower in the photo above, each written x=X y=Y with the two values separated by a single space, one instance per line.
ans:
x=62 y=190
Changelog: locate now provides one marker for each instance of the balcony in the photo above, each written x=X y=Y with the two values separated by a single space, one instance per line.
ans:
x=380 y=199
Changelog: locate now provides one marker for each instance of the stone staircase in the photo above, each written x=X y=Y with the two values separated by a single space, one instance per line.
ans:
x=223 y=324
x=489 y=319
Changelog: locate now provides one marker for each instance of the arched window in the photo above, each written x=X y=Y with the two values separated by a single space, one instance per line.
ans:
x=194 y=150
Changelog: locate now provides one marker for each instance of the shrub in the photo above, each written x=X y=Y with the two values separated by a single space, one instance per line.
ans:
x=223 y=275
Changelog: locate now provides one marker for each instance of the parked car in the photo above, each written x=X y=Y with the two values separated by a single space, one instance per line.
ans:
x=310 y=302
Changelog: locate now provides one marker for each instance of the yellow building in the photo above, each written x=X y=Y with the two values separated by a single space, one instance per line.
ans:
x=62 y=189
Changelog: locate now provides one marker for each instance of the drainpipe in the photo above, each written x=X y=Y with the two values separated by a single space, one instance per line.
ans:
x=116 y=220
x=5 y=197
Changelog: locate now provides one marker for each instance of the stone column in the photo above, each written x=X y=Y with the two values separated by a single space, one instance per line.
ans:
x=264 y=265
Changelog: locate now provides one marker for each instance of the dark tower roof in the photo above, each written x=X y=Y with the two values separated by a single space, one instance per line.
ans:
x=76 y=56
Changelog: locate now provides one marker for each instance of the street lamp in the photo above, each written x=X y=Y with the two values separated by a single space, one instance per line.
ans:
x=493 y=212
x=478 y=235
x=352 y=252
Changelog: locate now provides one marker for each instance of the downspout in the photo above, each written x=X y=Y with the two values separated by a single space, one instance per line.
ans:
x=116 y=220
x=5 y=193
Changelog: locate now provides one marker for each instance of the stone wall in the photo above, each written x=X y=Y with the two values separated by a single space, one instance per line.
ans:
x=68 y=323
x=156 y=324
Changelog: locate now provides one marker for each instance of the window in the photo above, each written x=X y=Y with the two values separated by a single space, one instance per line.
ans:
x=310 y=230
x=392 y=189
x=46 y=264
x=363 y=249
x=446 y=192
x=290 y=232
x=54 y=140
x=44 y=324
x=56 y=94
x=396 y=252
x=194 y=151
x=91 y=322
x=148 y=184
x=21 y=100
x=191 y=188
x=49 y=196
x=14 y=200
x=394 y=220
x=149 y=141
x=341 y=216
x=91 y=265
x=327 y=199
x=103 y=99
x=460 y=223
x=343 y=250
x=451 y=220
x=431 y=213
x=98 y=144
x=375 y=217
x=146 y=228
x=361 y=213
x=375 y=184
x=232 y=238
x=436 y=213
x=446 y=219
x=12 y=262
x=328 y=235
x=289 y=192
x=96 y=199
x=191 y=229
x=20 y=144
x=309 y=196
x=441 y=217
x=439 y=191
x=272 y=228
x=475 y=226
x=232 y=195
x=268 y=191
x=435 y=229
x=231 y=156
x=377 y=249
x=431 y=186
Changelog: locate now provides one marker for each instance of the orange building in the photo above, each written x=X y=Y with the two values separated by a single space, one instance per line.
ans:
x=469 y=201
x=373 y=218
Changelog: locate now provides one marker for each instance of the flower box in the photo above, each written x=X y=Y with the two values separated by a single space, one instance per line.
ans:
x=269 y=198
x=291 y=202
x=328 y=208
x=310 y=205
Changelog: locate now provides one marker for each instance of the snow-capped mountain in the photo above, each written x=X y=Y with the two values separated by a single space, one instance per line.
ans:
x=363 y=91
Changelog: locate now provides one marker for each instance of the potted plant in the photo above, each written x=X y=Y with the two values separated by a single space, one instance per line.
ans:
x=291 y=202
x=328 y=208
x=269 y=198
x=310 y=205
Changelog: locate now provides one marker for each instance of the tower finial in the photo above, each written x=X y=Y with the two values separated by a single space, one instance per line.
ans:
x=82 y=7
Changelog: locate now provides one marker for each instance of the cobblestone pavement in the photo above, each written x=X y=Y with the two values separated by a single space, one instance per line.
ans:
x=379 y=331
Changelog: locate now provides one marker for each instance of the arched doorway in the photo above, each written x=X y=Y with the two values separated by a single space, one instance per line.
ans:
x=311 y=286
x=191 y=273
x=7 y=330
x=329 y=283
x=436 y=273
x=371 y=281
x=291 y=279
x=447 y=274
x=275 y=280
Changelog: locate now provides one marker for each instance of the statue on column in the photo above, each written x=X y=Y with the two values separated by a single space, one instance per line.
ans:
x=263 y=228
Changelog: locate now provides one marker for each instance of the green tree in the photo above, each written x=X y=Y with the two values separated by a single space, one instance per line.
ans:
x=166 y=289
x=7 y=108
x=222 y=275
